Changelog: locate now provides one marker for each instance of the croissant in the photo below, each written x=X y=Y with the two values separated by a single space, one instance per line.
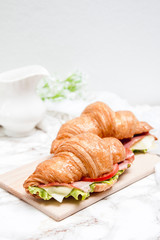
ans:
x=98 y=118
x=84 y=155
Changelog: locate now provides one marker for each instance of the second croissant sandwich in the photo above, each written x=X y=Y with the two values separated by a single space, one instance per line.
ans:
x=82 y=164
x=100 y=119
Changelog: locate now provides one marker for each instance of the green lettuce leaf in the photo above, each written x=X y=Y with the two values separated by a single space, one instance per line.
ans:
x=139 y=151
x=41 y=192
x=79 y=194
x=109 y=181
x=118 y=174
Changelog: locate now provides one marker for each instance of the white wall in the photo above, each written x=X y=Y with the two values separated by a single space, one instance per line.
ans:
x=115 y=42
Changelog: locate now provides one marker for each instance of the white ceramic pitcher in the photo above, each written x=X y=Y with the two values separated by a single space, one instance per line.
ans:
x=20 y=108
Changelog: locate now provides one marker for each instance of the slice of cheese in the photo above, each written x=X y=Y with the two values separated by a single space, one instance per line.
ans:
x=58 y=193
x=145 y=144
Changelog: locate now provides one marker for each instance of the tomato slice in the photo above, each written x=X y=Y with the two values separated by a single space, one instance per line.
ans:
x=104 y=176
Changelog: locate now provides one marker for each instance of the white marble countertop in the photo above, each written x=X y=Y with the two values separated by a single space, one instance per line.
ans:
x=132 y=213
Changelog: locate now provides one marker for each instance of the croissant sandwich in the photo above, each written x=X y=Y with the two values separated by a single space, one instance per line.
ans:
x=82 y=164
x=98 y=118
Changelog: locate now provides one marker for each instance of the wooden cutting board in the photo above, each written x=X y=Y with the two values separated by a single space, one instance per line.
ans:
x=13 y=182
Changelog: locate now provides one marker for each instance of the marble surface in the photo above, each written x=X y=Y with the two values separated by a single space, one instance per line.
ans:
x=130 y=214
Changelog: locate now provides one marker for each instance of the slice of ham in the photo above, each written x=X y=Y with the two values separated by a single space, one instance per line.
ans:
x=84 y=186
x=129 y=143
x=129 y=155
x=124 y=165
x=56 y=184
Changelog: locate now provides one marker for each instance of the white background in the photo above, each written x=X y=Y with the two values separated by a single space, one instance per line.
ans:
x=115 y=42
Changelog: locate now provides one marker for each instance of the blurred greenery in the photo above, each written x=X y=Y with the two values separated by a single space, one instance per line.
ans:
x=56 y=90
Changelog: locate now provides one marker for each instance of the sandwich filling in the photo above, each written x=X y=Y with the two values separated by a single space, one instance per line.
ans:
x=140 y=143
x=61 y=192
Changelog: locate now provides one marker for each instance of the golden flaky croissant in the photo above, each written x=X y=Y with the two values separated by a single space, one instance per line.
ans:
x=85 y=155
x=99 y=119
